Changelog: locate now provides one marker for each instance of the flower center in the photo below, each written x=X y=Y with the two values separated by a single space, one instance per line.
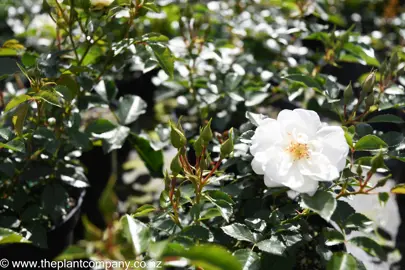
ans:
x=298 y=150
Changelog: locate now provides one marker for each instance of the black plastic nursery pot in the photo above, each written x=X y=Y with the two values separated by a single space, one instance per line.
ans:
x=59 y=238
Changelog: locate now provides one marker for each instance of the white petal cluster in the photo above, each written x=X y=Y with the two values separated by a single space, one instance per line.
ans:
x=297 y=151
x=101 y=3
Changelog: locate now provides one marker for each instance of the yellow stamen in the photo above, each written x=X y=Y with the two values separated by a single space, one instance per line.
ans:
x=298 y=150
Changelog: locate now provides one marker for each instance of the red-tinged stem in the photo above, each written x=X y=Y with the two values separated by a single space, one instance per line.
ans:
x=212 y=171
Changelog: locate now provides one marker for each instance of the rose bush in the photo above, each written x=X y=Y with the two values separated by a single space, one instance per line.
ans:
x=258 y=120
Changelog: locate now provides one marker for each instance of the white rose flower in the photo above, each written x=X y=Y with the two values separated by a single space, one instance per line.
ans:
x=297 y=151
x=101 y=3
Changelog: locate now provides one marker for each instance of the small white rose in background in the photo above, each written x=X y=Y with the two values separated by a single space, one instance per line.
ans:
x=101 y=3
x=297 y=151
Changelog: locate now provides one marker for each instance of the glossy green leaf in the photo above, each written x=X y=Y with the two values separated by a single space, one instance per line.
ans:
x=370 y=142
x=144 y=210
x=72 y=253
x=164 y=56
x=67 y=93
x=370 y=246
x=19 y=118
x=196 y=232
x=333 y=237
x=17 y=144
x=386 y=118
x=272 y=246
x=342 y=261
x=8 y=52
x=248 y=259
x=383 y=198
x=207 y=257
x=50 y=96
x=100 y=126
x=239 y=231
x=113 y=139
x=322 y=203
x=16 y=101
x=54 y=198
x=130 y=108
x=136 y=233
x=152 y=158
x=10 y=236
x=305 y=80
x=361 y=54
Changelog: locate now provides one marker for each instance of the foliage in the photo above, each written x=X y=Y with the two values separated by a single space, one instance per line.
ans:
x=222 y=66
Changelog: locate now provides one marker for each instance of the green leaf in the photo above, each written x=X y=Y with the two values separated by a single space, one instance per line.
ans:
x=342 y=261
x=369 y=246
x=398 y=189
x=232 y=80
x=383 y=198
x=73 y=253
x=357 y=221
x=218 y=195
x=305 y=80
x=108 y=200
x=54 y=201
x=256 y=98
x=207 y=257
x=91 y=231
x=130 y=108
x=240 y=232
x=16 y=101
x=9 y=236
x=152 y=158
x=19 y=118
x=370 y=142
x=321 y=36
x=29 y=59
x=136 y=232
x=151 y=6
x=272 y=246
x=222 y=201
x=50 y=96
x=196 y=232
x=164 y=56
x=333 y=237
x=386 y=118
x=210 y=213
x=360 y=53
x=113 y=139
x=255 y=118
x=68 y=93
x=322 y=203
x=392 y=138
x=38 y=235
x=363 y=129
x=248 y=259
x=144 y=210
x=157 y=249
x=100 y=126
x=17 y=144
x=31 y=213
x=8 y=52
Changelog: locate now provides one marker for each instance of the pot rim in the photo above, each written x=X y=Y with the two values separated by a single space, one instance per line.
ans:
x=72 y=211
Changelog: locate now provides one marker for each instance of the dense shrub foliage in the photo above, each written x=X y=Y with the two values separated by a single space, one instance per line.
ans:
x=279 y=112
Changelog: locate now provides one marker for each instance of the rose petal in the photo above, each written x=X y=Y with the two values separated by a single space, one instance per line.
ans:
x=318 y=168
x=266 y=135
